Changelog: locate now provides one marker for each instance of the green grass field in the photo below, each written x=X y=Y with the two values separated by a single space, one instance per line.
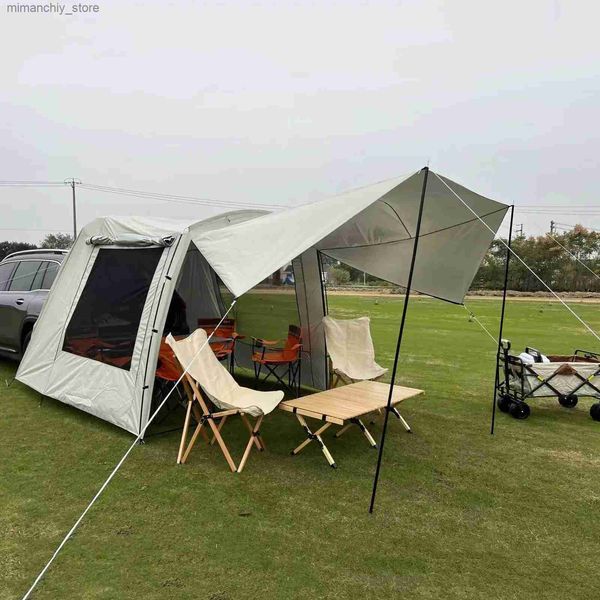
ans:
x=460 y=514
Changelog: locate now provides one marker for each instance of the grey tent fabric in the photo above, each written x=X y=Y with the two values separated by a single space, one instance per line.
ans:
x=370 y=228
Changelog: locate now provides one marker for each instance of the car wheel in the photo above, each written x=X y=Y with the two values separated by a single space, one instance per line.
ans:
x=26 y=341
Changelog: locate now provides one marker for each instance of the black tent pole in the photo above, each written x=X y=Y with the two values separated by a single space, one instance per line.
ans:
x=425 y=170
x=497 y=378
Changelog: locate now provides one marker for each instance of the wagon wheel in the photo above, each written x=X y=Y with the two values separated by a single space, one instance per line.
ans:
x=595 y=411
x=519 y=410
x=569 y=401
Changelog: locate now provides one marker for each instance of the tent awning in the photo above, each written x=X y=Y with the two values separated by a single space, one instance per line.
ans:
x=370 y=228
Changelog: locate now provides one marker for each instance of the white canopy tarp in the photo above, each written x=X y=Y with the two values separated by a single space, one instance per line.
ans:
x=370 y=228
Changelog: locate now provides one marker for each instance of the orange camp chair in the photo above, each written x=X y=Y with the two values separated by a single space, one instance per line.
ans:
x=224 y=348
x=266 y=353
x=115 y=354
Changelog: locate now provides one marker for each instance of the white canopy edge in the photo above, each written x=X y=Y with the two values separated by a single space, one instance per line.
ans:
x=348 y=227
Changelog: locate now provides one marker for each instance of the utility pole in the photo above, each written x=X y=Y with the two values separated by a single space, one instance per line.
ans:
x=552 y=227
x=73 y=182
x=519 y=230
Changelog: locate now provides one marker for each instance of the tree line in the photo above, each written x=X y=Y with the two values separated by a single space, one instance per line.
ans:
x=576 y=269
x=52 y=240
x=553 y=264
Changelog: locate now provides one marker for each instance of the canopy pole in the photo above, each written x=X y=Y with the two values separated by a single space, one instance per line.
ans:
x=497 y=378
x=425 y=170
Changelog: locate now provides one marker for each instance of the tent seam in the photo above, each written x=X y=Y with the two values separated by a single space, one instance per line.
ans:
x=412 y=237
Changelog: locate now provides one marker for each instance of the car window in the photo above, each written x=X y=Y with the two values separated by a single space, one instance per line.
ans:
x=24 y=275
x=5 y=271
x=39 y=277
x=49 y=275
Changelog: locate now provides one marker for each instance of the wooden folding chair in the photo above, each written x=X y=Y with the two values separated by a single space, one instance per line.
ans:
x=212 y=391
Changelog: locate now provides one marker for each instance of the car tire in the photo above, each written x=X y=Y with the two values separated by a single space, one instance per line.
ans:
x=26 y=341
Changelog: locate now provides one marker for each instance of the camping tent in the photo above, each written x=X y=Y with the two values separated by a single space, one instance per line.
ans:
x=96 y=343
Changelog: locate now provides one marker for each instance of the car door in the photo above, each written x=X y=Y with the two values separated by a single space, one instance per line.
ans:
x=40 y=287
x=15 y=302
x=6 y=271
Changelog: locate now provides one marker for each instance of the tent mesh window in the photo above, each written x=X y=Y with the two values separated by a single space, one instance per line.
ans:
x=265 y=312
x=105 y=323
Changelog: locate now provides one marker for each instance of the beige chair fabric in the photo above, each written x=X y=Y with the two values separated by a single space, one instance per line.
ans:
x=350 y=348
x=202 y=368
x=216 y=381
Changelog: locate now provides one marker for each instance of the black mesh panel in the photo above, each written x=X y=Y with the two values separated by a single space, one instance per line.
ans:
x=107 y=317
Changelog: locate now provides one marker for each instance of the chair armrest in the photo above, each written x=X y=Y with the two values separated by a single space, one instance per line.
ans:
x=264 y=342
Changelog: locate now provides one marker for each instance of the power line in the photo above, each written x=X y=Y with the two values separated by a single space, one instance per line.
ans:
x=31 y=185
x=552 y=206
x=164 y=197
x=161 y=197
x=569 y=227
x=29 y=229
x=23 y=182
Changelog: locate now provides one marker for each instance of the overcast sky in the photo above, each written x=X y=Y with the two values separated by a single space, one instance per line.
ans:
x=286 y=102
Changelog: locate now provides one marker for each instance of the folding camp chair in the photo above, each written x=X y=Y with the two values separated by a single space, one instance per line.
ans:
x=167 y=375
x=352 y=356
x=211 y=386
x=265 y=353
x=225 y=337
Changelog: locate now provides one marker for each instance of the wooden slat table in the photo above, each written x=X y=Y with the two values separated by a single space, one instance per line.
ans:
x=345 y=406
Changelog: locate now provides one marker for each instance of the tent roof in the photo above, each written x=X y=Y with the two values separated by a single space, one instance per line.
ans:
x=370 y=228
x=117 y=227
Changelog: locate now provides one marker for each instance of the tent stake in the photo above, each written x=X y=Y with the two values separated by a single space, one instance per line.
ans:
x=425 y=170
x=497 y=378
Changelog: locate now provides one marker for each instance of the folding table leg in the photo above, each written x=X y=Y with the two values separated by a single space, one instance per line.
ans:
x=362 y=427
x=343 y=430
x=365 y=431
x=314 y=436
x=253 y=435
x=395 y=412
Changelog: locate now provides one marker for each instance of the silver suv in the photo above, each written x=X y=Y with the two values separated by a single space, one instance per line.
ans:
x=25 y=278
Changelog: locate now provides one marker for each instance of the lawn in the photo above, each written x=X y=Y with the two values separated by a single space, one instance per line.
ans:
x=460 y=514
